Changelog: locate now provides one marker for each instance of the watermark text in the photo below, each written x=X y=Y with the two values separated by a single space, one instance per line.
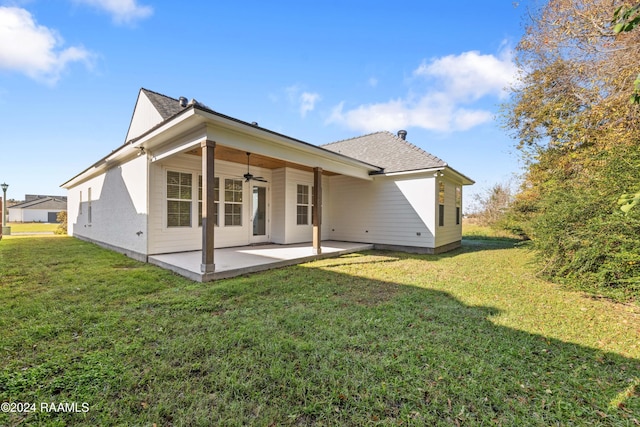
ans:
x=56 y=407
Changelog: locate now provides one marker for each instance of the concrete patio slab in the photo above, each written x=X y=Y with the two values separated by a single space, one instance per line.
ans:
x=230 y=262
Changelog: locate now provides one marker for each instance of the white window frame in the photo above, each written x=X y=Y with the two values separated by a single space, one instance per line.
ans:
x=179 y=199
x=89 y=213
x=231 y=201
x=458 y=204
x=441 y=203
x=302 y=203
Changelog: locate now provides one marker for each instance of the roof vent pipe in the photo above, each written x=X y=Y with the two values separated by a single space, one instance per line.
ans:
x=183 y=101
x=402 y=134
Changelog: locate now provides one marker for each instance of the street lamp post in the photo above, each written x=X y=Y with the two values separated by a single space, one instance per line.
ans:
x=5 y=230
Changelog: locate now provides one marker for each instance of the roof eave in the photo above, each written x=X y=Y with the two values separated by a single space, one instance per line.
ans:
x=285 y=139
x=187 y=119
x=445 y=169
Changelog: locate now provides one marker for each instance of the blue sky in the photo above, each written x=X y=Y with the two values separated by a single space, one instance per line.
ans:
x=320 y=71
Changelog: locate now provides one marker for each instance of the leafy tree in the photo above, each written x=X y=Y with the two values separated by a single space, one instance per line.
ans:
x=580 y=137
x=625 y=20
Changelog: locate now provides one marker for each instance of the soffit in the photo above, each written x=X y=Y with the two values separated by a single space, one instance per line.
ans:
x=257 y=160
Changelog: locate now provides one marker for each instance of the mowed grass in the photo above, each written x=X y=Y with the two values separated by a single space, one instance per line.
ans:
x=471 y=337
x=473 y=231
x=32 y=227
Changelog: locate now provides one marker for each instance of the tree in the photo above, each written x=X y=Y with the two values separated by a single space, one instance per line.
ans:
x=492 y=204
x=574 y=125
x=626 y=19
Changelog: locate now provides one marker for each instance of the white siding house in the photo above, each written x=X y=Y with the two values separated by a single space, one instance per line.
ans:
x=191 y=179
x=37 y=209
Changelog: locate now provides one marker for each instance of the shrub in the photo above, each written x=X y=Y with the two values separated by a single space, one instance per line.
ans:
x=583 y=237
x=62 y=219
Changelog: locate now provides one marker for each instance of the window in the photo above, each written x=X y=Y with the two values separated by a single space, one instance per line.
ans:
x=89 y=206
x=313 y=211
x=216 y=198
x=302 y=205
x=441 y=205
x=232 y=202
x=80 y=207
x=458 y=205
x=179 y=199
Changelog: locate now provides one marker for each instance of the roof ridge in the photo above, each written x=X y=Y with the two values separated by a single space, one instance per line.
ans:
x=396 y=137
x=421 y=150
x=160 y=94
x=356 y=137
x=37 y=201
x=390 y=151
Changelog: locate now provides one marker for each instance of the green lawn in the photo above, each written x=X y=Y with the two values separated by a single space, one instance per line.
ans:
x=473 y=231
x=471 y=337
x=31 y=227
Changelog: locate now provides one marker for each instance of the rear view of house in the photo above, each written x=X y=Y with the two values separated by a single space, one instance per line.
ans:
x=189 y=178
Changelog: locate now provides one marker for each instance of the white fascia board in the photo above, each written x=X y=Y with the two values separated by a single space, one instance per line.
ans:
x=180 y=144
x=414 y=172
x=444 y=170
x=183 y=123
x=465 y=180
x=117 y=157
x=96 y=169
x=131 y=149
x=256 y=140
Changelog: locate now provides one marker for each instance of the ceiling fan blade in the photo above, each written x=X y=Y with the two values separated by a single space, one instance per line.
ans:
x=259 y=178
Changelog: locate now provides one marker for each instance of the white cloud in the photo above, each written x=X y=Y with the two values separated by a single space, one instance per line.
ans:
x=122 y=11
x=450 y=102
x=308 y=102
x=304 y=101
x=472 y=75
x=429 y=112
x=34 y=49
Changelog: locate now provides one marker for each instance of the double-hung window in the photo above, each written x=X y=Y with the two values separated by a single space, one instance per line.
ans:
x=458 y=205
x=89 y=213
x=441 y=204
x=179 y=195
x=302 y=205
x=233 y=202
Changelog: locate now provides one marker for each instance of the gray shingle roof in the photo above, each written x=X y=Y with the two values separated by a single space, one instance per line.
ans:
x=166 y=106
x=46 y=202
x=387 y=151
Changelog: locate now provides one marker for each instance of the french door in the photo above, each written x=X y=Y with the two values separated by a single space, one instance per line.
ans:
x=259 y=214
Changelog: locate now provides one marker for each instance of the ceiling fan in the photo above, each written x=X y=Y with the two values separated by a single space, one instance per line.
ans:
x=249 y=176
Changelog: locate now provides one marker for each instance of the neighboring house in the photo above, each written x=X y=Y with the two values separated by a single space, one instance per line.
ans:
x=37 y=209
x=190 y=178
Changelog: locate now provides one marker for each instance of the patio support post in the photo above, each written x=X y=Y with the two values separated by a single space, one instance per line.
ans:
x=208 y=205
x=316 y=210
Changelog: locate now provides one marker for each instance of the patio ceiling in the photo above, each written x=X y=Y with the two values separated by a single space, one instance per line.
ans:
x=257 y=160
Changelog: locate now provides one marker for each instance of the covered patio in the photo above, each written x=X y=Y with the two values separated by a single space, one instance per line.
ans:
x=253 y=185
x=231 y=262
